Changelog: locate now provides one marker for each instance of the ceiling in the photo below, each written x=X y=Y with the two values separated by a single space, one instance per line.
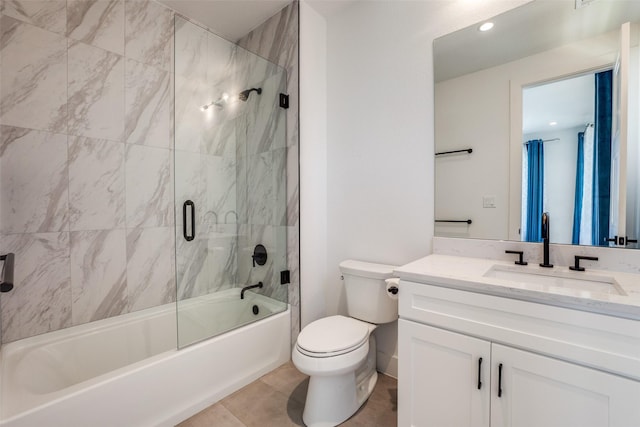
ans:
x=230 y=19
x=233 y=19
x=570 y=103
x=532 y=28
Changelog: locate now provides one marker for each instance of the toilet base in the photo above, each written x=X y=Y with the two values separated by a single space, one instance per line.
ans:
x=333 y=399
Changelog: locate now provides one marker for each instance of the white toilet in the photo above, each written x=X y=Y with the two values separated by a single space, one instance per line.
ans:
x=339 y=353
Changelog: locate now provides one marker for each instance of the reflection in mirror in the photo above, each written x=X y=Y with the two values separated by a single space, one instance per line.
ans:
x=566 y=158
x=484 y=83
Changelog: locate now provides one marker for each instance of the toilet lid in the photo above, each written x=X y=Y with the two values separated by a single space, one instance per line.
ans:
x=334 y=334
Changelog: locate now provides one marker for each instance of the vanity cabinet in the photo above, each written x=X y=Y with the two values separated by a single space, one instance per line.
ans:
x=542 y=391
x=437 y=377
x=468 y=359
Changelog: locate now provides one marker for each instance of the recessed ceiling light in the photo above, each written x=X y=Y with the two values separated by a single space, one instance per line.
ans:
x=553 y=123
x=486 y=26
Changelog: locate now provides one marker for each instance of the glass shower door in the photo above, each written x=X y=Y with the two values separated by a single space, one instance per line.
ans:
x=230 y=185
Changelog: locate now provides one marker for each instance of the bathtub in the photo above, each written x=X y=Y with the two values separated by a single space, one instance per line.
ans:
x=126 y=371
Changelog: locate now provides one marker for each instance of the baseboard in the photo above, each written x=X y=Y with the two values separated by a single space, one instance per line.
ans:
x=387 y=364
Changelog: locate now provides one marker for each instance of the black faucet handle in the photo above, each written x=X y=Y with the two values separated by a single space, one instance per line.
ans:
x=259 y=255
x=576 y=266
x=520 y=254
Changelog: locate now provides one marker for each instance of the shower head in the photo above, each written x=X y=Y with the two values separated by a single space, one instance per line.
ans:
x=244 y=95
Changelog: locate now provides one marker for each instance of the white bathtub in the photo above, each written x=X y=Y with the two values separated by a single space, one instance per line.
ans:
x=126 y=371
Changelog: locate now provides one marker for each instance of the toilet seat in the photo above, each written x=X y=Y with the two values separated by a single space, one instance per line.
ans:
x=332 y=336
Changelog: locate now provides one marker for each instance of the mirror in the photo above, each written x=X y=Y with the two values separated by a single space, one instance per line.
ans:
x=484 y=83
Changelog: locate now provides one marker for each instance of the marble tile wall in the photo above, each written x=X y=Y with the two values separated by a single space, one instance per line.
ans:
x=277 y=41
x=261 y=155
x=86 y=133
x=87 y=169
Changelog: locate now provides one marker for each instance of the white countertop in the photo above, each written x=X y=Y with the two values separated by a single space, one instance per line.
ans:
x=469 y=274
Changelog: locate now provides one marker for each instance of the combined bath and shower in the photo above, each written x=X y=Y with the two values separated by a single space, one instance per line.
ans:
x=242 y=96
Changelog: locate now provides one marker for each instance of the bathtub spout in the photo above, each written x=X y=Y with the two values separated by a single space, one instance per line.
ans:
x=246 y=288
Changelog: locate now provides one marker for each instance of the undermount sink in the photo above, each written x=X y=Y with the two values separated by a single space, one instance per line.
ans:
x=563 y=279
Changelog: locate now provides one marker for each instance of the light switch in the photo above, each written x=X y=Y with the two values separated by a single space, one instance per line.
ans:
x=489 y=201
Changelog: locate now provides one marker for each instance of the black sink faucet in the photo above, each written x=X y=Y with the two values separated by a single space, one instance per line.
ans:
x=545 y=241
x=246 y=288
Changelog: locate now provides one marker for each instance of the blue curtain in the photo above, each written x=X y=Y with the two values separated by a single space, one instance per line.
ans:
x=535 y=186
x=577 y=206
x=602 y=158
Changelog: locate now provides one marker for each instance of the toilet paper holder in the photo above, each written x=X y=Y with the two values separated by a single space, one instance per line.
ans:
x=393 y=287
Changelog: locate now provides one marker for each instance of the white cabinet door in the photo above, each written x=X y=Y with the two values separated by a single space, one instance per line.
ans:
x=438 y=378
x=541 y=391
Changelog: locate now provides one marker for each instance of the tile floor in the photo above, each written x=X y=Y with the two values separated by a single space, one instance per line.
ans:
x=277 y=400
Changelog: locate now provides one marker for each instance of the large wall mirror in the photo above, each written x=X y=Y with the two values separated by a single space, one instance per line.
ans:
x=540 y=114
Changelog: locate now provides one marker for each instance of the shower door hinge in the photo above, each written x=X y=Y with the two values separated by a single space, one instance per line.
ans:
x=285 y=277
x=284 y=100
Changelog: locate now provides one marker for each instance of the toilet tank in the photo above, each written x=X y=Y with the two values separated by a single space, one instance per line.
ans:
x=367 y=297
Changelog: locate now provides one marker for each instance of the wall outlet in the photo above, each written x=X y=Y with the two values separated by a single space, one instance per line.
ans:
x=583 y=3
x=489 y=201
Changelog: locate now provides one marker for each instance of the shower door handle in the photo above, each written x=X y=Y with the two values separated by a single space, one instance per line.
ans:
x=6 y=280
x=189 y=204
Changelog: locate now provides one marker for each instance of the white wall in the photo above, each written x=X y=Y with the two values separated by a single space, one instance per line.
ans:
x=380 y=134
x=380 y=128
x=462 y=180
x=313 y=164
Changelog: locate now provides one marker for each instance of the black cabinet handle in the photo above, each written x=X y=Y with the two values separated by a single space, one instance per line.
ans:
x=479 y=373
x=500 y=380
x=189 y=237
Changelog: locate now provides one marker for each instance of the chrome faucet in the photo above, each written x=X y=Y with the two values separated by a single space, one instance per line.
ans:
x=246 y=288
x=545 y=241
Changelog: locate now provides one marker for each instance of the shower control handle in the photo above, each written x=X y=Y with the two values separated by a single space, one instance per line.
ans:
x=259 y=255
x=189 y=236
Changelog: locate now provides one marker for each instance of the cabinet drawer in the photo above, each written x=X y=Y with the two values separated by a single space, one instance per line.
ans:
x=595 y=340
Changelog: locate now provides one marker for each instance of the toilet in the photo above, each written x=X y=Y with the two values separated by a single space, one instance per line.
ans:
x=339 y=353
